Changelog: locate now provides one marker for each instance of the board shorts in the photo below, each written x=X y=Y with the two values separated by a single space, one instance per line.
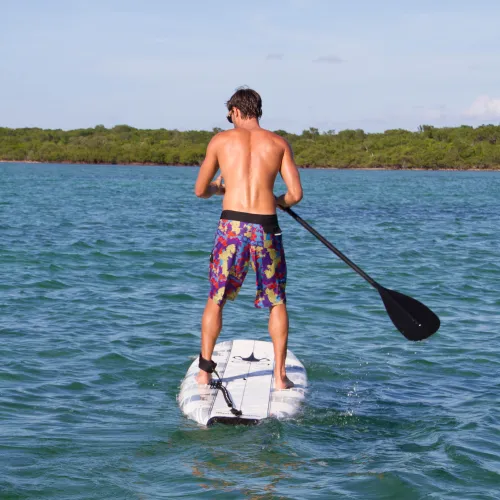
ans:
x=243 y=239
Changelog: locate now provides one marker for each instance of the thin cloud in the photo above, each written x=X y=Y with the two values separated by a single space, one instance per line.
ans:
x=484 y=107
x=330 y=59
x=474 y=67
x=274 y=57
x=432 y=113
x=300 y=4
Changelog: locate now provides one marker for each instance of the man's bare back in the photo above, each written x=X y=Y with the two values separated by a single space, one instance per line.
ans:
x=249 y=159
x=249 y=163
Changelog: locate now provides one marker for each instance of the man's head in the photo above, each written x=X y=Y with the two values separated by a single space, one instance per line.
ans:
x=246 y=103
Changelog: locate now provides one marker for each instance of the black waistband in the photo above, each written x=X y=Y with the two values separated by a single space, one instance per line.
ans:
x=268 y=222
x=251 y=218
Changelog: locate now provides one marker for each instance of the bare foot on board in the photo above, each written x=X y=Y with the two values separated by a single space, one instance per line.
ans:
x=203 y=378
x=282 y=383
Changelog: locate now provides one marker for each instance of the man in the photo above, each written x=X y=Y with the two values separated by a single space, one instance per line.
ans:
x=249 y=159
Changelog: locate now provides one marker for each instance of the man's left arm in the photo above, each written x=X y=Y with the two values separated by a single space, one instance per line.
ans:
x=204 y=188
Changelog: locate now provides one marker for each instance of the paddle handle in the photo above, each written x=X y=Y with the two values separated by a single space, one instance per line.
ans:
x=336 y=251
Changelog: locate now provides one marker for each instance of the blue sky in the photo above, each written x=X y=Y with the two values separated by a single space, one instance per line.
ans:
x=328 y=64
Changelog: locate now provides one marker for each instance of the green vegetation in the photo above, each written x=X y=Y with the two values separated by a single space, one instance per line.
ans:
x=434 y=148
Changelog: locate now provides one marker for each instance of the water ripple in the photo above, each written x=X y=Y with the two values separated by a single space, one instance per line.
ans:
x=101 y=301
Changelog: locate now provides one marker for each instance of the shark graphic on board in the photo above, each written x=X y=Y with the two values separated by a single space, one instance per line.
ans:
x=251 y=358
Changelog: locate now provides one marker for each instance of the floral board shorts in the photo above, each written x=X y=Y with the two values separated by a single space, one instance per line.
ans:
x=243 y=239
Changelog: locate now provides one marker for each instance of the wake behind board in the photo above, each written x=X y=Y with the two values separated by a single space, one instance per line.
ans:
x=246 y=368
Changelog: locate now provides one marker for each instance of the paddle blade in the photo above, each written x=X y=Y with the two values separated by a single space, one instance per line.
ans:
x=412 y=318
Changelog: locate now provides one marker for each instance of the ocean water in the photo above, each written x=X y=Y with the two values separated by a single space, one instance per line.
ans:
x=103 y=280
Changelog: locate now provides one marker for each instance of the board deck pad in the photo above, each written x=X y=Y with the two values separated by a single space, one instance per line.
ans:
x=246 y=368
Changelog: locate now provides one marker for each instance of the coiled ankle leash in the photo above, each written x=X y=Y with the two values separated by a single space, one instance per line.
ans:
x=209 y=366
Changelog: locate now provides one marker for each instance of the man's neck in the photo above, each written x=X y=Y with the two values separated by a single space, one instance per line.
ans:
x=249 y=124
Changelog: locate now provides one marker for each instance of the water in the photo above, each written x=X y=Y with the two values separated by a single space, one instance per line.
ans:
x=103 y=279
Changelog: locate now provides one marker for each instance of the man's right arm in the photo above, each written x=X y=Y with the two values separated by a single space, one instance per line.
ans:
x=290 y=174
x=204 y=188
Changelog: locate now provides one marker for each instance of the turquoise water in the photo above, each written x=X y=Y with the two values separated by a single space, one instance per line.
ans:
x=103 y=279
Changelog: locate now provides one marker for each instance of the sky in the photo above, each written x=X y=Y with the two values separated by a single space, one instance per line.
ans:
x=328 y=64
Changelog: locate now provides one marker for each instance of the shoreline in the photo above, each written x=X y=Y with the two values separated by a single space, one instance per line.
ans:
x=303 y=167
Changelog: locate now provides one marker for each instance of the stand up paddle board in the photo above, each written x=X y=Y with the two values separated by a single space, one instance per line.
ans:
x=246 y=368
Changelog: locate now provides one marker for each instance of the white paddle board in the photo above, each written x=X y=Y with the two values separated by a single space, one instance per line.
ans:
x=246 y=368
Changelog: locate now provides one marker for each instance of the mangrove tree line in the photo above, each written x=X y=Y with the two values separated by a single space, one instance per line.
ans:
x=429 y=147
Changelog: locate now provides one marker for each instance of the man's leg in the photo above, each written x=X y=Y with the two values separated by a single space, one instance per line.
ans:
x=278 y=329
x=211 y=325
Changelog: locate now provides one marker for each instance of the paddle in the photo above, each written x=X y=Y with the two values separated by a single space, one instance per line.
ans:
x=412 y=318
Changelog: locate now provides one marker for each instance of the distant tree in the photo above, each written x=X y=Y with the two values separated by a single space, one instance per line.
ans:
x=310 y=133
x=429 y=147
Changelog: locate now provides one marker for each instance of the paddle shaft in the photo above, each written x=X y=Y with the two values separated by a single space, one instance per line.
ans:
x=412 y=318
x=335 y=250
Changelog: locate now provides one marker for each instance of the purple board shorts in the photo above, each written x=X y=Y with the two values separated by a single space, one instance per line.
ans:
x=244 y=239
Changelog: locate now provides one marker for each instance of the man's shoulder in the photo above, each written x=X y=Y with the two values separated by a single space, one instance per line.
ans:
x=273 y=135
x=220 y=135
x=220 y=138
x=239 y=134
x=224 y=135
x=269 y=136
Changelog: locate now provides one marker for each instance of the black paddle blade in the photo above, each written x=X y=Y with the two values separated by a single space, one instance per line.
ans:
x=412 y=318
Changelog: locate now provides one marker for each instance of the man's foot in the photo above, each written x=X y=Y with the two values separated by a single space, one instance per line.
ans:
x=282 y=383
x=203 y=377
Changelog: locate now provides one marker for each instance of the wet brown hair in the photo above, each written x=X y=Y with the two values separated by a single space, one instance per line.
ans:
x=247 y=101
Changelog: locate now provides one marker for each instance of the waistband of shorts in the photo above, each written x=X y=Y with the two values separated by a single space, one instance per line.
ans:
x=268 y=222
x=262 y=219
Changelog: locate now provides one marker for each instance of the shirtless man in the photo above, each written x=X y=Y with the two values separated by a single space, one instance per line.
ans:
x=249 y=159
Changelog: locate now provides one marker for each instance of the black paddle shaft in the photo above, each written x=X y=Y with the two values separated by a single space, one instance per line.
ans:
x=336 y=251
x=412 y=318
